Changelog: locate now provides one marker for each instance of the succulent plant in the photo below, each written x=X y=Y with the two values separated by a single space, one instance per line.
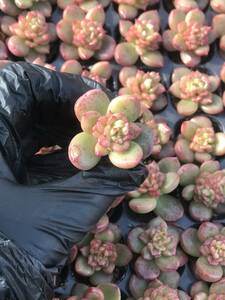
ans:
x=141 y=39
x=204 y=187
x=109 y=129
x=101 y=254
x=165 y=288
x=100 y=71
x=199 y=141
x=218 y=6
x=200 y=290
x=218 y=23
x=151 y=195
x=145 y=86
x=189 y=35
x=15 y=7
x=128 y=9
x=157 y=245
x=86 y=5
x=187 y=5
x=194 y=90
x=31 y=36
x=207 y=244
x=83 y=35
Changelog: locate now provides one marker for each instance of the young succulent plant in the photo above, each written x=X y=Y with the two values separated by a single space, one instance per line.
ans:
x=152 y=194
x=189 y=35
x=163 y=288
x=109 y=128
x=100 y=254
x=187 y=5
x=83 y=35
x=128 y=9
x=145 y=86
x=15 y=7
x=198 y=141
x=31 y=36
x=204 y=187
x=218 y=25
x=218 y=6
x=157 y=245
x=195 y=90
x=200 y=290
x=86 y=5
x=142 y=39
x=207 y=245
x=100 y=71
x=162 y=133
x=104 y=291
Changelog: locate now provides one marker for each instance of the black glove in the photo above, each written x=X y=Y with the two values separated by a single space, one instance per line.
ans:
x=46 y=205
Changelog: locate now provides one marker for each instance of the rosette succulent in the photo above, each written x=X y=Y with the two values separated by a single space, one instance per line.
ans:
x=207 y=245
x=86 y=5
x=83 y=35
x=204 y=186
x=15 y=7
x=109 y=129
x=141 y=39
x=100 y=71
x=187 y=5
x=189 y=35
x=100 y=254
x=157 y=245
x=31 y=36
x=218 y=6
x=199 y=141
x=145 y=86
x=151 y=195
x=195 y=90
x=128 y=9
x=165 y=288
x=103 y=291
x=201 y=290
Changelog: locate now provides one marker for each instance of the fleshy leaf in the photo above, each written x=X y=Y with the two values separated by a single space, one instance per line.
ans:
x=190 y=242
x=82 y=151
x=93 y=100
x=124 y=255
x=169 y=208
x=137 y=286
x=135 y=244
x=208 y=272
x=143 y=204
x=127 y=104
x=82 y=267
x=146 y=269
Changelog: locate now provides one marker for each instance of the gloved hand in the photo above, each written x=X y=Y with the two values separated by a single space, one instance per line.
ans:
x=46 y=205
